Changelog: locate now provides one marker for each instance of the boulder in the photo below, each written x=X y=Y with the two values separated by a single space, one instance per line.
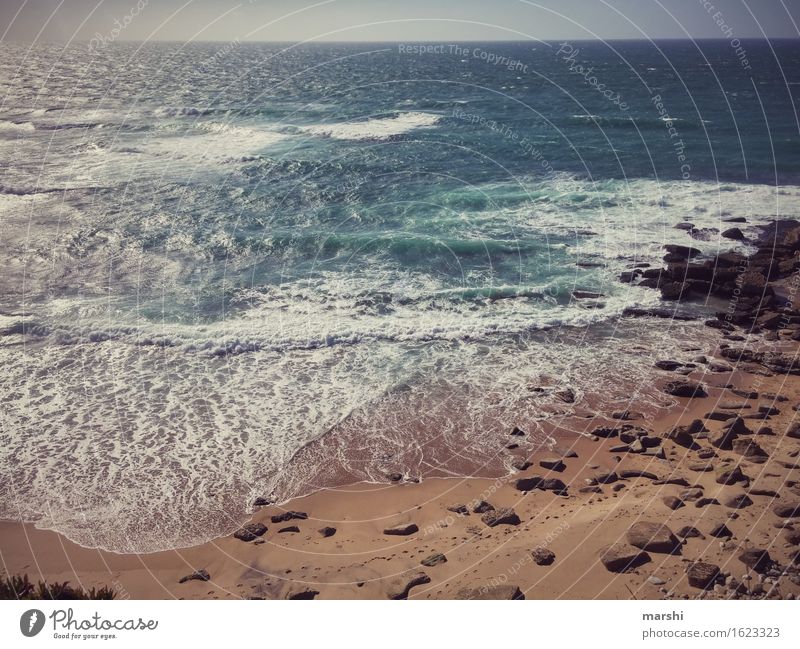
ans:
x=685 y=389
x=673 y=502
x=289 y=529
x=634 y=473
x=689 y=532
x=401 y=588
x=250 y=531
x=503 y=516
x=626 y=415
x=621 y=557
x=405 y=529
x=528 y=484
x=749 y=449
x=553 y=464
x=491 y=593
x=733 y=233
x=683 y=252
x=197 y=575
x=667 y=365
x=553 y=484
x=738 y=501
x=722 y=439
x=481 y=507
x=702 y=575
x=791 y=510
x=327 y=532
x=731 y=475
x=721 y=531
x=605 y=477
x=680 y=436
x=543 y=556
x=288 y=516
x=301 y=592
x=755 y=559
x=459 y=509
x=652 y=537
x=567 y=395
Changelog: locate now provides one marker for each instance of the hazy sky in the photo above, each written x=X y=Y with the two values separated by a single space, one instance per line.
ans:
x=406 y=20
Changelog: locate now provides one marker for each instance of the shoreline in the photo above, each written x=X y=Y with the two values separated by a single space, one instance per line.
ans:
x=698 y=499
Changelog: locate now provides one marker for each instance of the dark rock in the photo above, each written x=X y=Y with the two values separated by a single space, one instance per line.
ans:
x=250 y=532
x=652 y=537
x=517 y=432
x=261 y=502
x=705 y=501
x=673 y=502
x=686 y=389
x=528 y=484
x=503 y=516
x=669 y=366
x=289 y=528
x=749 y=449
x=404 y=529
x=621 y=557
x=289 y=516
x=684 y=252
x=459 y=509
x=400 y=590
x=632 y=473
x=755 y=559
x=721 y=531
x=543 y=556
x=702 y=575
x=491 y=593
x=327 y=532
x=730 y=475
x=791 y=510
x=722 y=439
x=738 y=501
x=566 y=395
x=689 y=532
x=606 y=477
x=521 y=465
x=301 y=593
x=606 y=432
x=733 y=233
x=553 y=464
x=434 y=560
x=197 y=575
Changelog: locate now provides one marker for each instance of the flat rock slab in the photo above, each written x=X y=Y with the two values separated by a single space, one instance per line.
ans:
x=250 y=531
x=621 y=557
x=791 y=510
x=401 y=588
x=405 y=529
x=652 y=537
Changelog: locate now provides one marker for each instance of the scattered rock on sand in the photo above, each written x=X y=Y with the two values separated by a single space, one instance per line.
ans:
x=721 y=531
x=621 y=557
x=689 y=532
x=197 y=575
x=250 y=531
x=792 y=510
x=686 y=389
x=401 y=588
x=702 y=575
x=553 y=464
x=404 y=529
x=652 y=537
x=543 y=556
x=327 y=531
x=491 y=592
x=434 y=560
x=289 y=516
x=755 y=559
x=738 y=501
x=503 y=516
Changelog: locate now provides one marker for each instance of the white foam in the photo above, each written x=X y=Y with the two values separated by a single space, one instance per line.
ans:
x=379 y=128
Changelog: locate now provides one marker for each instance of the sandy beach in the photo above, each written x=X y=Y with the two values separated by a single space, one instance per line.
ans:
x=333 y=544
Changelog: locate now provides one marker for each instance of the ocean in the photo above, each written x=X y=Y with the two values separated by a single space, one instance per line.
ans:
x=255 y=270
